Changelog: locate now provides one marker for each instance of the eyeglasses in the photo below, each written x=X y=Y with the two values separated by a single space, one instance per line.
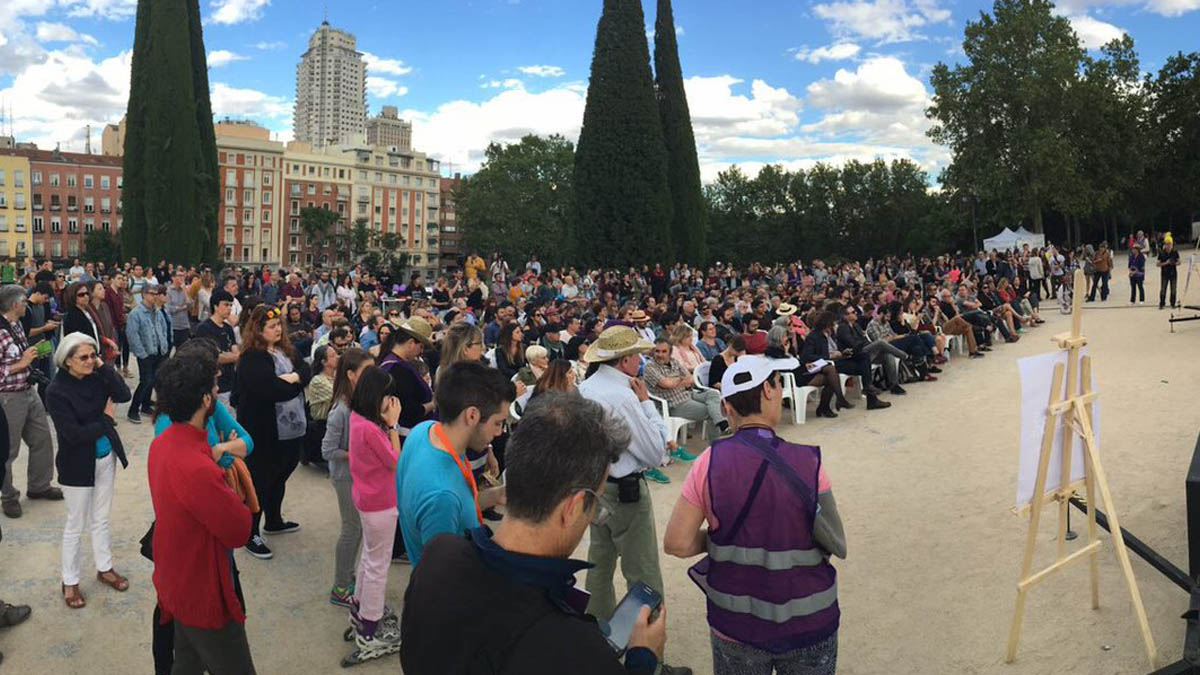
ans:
x=84 y=358
x=82 y=294
x=603 y=510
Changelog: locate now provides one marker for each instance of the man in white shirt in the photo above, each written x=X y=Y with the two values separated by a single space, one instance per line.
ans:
x=629 y=533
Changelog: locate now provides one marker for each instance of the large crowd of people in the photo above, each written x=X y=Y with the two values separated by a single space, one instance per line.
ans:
x=478 y=424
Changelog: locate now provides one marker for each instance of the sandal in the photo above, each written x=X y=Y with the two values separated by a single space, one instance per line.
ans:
x=113 y=580
x=74 y=599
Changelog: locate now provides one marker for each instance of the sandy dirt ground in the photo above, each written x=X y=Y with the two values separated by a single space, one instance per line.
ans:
x=925 y=488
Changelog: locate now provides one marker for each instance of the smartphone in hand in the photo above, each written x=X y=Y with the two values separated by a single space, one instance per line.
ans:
x=620 y=625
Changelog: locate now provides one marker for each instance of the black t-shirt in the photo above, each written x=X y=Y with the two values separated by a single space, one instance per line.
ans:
x=717 y=370
x=1171 y=257
x=223 y=336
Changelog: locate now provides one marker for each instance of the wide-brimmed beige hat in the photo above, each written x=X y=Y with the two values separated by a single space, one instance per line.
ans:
x=785 y=309
x=615 y=342
x=418 y=328
x=638 y=316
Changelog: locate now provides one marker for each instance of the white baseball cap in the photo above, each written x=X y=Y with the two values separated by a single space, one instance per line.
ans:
x=750 y=371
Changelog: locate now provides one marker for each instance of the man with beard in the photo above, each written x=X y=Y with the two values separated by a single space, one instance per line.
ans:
x=436 y=490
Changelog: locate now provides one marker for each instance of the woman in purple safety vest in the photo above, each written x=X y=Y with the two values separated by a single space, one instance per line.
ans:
x=772 y=526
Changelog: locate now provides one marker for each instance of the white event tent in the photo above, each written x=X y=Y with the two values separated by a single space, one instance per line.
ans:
x=1008 y=239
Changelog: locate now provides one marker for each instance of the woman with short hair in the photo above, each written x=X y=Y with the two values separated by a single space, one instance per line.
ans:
x=81 y=400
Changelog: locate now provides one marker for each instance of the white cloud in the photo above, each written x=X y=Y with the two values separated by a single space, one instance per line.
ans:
x=380 y=65
x=1092 y=32
x=56 y=99
x=879 y=83
x=223 y=57
x=238 y=102
x=269 y=46
x=718 y=112
x=542 y=71
x=838 y=51
x=508 y=83
x=237 y=11
x=106 y=9
x=381 y=87
x=61 y=32
x=1169 y=8
x=881 y=20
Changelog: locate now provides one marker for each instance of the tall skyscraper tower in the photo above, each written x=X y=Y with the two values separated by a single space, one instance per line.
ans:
x=331 y=90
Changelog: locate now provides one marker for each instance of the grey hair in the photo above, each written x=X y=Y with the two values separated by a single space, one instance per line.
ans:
x=67 y=346
x=564 y=444
x=777 y=336
x=10 y=295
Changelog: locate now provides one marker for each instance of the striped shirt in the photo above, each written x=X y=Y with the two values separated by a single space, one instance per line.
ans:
x=12 y=346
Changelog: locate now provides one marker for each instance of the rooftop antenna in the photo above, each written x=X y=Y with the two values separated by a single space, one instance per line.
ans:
x=87 y=147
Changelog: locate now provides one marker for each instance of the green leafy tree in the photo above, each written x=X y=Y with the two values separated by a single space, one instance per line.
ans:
x=622 y=197
x=1005 y=114
x=360 y=239
x=170 y=173
x=101 y=246
x=317 y=224
x=1174 y=178
x=688 y=229
x=521 y=200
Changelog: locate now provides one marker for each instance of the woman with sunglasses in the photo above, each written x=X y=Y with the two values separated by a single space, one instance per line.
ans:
x=77 y=298
x=270 y=393
x=81 y=401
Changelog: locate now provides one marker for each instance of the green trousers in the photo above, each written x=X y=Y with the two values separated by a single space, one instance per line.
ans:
x=629 y=534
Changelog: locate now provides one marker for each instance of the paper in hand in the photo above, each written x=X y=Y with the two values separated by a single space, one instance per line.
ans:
x=817 y=365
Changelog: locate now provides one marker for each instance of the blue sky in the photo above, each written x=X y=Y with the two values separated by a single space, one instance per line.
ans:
x=772 y=81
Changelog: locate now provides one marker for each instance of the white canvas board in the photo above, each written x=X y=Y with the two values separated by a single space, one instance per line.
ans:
x=1036 y=375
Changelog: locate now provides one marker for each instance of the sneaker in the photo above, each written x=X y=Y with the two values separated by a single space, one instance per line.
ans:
x=12 y=508
x=683 y=455
x=134 y=417
x=52 y=494
x=258 y=548
x=898 y=390
x=934 y=369
x=341 y=596
x=657 y=476
x=287 y=527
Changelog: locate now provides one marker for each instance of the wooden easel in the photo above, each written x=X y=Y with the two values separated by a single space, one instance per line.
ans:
x=1075 y=411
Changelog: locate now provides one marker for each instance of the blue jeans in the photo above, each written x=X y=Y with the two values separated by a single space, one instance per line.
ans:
x=147 y=372
x=732 y=658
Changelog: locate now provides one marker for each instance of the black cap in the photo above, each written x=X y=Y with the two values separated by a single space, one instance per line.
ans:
x=219 y=295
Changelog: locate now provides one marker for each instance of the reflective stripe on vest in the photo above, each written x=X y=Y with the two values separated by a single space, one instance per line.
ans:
x=761 y=557
x=769 y=611
x=477 y=464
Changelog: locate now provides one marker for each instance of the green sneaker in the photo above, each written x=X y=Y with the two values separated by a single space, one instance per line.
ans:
x=342 y=597
x=657 y=476
x=683 y=455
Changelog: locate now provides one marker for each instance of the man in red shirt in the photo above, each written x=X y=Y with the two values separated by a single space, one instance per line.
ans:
x=199 y=520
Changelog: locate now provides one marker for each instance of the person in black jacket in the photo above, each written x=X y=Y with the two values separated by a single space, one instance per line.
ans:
x=506 y=604
x=820 y=344
x=78 y=317
x=80 y=401
x=270 y=404
x=851 y=337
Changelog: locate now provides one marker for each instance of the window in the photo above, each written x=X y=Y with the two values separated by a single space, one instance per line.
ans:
x=247 y=216
x=72 y=226
x=228 y=216
x=105 y=182
x=53 y=180
x=72 y=203
x=20 y=224
x=20 y=248
x=73 y=247
x=89 y=224
x=39 y=225
x=266 y=216
x=266 y=197
x=312 y=189
x=88 y=181
x=89 y=204
x=392 y=178
x=266 y=178
x=19 y=200
x=231 y=177
x=418 y=181
x=56 y=249
x=18 y=178
x=264 y=255
x=39 y=248
x=229 y=198
x=37 y=177
x=249 y=178
x=106 y=226
x=247 y=234
x=228 y=234
x=56 y=227
x=3 y=223
x=120 y=182
x=1 y=176
x=229 y=253
x=248 y=197
x=72 y=180
x=105 y=204
x=3 y=200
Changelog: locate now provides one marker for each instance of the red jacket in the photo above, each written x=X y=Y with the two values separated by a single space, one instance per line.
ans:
x=198 y=520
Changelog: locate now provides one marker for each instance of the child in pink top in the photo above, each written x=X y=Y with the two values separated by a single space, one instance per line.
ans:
x=374 y=451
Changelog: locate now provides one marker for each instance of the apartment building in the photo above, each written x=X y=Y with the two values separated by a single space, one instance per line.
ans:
x=251 y=179
x=70 y=194
x=16 y=214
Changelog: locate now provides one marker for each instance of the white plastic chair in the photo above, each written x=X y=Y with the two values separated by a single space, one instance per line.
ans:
x=514 y=412
x=675 y=425
x=490 y=355
x=700 y=376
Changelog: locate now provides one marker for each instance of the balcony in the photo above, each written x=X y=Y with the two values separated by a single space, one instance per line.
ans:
x=56 y=207
x=37 y=207
x=343 y=196
x=103 y=210
x=72 y=208
x=296 y=192
x=363 y=199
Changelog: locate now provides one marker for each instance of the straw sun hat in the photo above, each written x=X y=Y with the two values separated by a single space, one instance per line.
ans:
x=418 y=328
x=615 y=342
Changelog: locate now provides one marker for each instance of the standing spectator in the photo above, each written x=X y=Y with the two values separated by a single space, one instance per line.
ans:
x=147 y=332
x=79 y=319
x=1037 y=274
x=177 y=309
x=216 y=328
x=22 y=408
x=437 y=492
x=115 y=296
x=199 y=519
x=629 y=534
x=110 y=351
x=1168 y=262
x=474 y=266
x=1101 y=272
x=318 y=397
x=335 y=449
x=270 y=404
x=772 y=594
x=39 y=325
x=80 y=401
x=1137 y=274
x=400 y=355
x=520 y=581
x=374 y=451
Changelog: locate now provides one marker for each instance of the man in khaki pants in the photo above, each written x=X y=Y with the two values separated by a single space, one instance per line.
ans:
x=26 y=416
x=628 y=533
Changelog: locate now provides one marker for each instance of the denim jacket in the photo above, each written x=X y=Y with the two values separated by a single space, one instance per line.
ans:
x=147 y=332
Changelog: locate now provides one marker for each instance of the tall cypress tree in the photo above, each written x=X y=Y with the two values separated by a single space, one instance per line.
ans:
x=622 y=199
x=688 y=225
x=169 y=193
